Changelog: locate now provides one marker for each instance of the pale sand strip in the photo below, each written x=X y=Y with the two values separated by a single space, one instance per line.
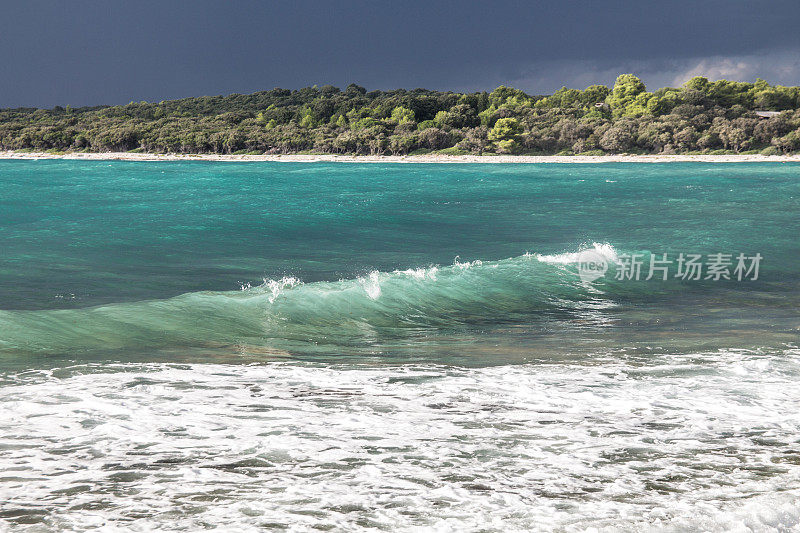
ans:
x=432 y=158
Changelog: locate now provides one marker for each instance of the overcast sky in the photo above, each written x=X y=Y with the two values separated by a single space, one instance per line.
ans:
x=114 y=52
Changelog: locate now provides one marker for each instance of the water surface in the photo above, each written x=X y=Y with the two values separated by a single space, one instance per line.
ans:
x=194 y=344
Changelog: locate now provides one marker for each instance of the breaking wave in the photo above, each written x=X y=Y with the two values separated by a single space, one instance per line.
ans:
x=458 y=295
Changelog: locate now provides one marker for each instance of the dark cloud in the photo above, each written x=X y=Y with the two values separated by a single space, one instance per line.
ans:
x=91 y=52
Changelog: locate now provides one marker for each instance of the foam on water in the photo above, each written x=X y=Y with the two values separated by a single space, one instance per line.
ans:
x=605 y=250
x=705 y=441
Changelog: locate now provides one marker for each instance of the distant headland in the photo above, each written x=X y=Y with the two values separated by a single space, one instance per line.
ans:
x=702 y=120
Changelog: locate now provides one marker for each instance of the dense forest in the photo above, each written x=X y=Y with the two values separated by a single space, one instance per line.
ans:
x=700 y=117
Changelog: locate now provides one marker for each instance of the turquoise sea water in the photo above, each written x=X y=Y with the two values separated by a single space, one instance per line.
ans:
x=395 y=346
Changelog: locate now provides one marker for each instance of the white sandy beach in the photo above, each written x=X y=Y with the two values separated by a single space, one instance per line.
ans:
x=428 y=158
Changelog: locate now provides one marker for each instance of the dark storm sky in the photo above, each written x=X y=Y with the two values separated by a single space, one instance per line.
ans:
x=113 y=52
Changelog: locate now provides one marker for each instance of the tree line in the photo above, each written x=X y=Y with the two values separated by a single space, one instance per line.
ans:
x=700 y=117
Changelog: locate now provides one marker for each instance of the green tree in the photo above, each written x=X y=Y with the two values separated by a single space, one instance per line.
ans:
x=698 y=83
x=617 y=138
x=627 y=93
x=505 y=135
x=403 y=115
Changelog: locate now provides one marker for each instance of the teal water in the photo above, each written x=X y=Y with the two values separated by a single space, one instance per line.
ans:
x=183 y=332
x=154 y=255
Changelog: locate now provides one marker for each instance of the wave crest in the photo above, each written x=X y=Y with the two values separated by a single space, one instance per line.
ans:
x=605 y=250
x=462 y=294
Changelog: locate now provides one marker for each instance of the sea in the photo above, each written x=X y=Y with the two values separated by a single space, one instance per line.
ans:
x=244 y=346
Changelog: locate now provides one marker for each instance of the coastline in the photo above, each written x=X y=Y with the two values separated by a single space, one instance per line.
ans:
x=427 y=158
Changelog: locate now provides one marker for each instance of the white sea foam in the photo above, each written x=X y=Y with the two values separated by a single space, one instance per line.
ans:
x=682 y=443
x=420 y=273
x=605 y=249
x=458 y=264
x=276 y=287
x=273 y=287
x=371 y=284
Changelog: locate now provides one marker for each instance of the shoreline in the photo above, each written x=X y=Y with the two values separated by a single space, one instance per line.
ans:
x=426 y=158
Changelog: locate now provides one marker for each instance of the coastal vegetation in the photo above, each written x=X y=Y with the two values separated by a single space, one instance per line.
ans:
x=700 y=117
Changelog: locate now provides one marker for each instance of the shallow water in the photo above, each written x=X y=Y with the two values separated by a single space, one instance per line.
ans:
x=187 y=345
